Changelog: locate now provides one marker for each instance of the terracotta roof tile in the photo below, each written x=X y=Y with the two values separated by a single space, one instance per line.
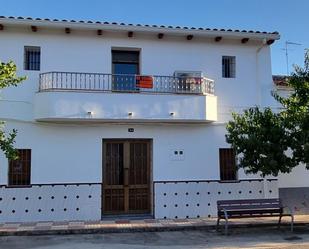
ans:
x=138 y=25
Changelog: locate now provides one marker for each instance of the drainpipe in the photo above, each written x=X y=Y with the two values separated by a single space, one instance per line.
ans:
x=258 y=83
x=259 y=101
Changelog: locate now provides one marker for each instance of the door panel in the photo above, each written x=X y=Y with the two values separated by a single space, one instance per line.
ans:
x=139 y=200
x=114 y=200
x=138 y=163
x=139 y=176
x=126 y=169
x=113 y=177
x=114 y=164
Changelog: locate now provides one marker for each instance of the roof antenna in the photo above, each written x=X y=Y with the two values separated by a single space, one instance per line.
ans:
x=286 y=49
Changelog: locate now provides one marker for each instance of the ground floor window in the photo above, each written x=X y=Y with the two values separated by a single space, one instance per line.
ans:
x=20 y=169
x=228 y=169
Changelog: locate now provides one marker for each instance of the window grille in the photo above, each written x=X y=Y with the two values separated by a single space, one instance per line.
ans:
x=32 y=58
x=20 y=169
x=228 y=66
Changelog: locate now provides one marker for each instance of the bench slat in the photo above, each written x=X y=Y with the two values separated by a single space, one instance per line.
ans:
x=252 y=216
x=250 y=212
x=250 y=207
x=242 y=201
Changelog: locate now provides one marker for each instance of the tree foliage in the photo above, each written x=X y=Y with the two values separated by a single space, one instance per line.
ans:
x=8 y=77
x=269 y=142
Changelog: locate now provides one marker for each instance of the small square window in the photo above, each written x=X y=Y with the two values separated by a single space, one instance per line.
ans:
x=228 y=66
x=32 y=58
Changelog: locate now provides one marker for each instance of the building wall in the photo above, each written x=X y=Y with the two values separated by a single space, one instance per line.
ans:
x=72 y=152
x=84 y=52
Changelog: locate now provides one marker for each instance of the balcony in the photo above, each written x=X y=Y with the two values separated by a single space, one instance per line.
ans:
x=124 y=83
x=68 y=96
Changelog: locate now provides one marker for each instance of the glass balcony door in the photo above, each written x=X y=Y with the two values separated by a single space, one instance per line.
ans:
x=125 y=66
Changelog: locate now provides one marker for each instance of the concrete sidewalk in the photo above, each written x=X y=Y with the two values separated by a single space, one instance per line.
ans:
x=145 y=225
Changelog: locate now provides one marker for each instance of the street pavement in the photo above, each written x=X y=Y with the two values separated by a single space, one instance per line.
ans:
x=258 y=238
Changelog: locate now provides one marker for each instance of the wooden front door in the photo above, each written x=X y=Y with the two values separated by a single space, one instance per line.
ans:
x=126 y=177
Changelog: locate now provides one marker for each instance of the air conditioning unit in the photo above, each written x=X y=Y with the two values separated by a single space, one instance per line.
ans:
x=188 y=74
x=189 y=81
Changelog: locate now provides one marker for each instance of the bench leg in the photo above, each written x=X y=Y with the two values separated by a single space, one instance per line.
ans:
x=292 y=223
x=292 y=218
x=218 y=223
x=226 y=225
x=279 y=222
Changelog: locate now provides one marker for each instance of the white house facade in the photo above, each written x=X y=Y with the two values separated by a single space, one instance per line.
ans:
x=121 y=119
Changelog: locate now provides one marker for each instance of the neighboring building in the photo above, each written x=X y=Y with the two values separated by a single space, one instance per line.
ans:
x=280 y=80
x=293 y=187
x=119 y=119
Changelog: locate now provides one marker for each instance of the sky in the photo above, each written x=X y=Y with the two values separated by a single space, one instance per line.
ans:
x=288 y=17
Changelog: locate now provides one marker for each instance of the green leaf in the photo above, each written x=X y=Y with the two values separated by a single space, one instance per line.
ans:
x=8 y=78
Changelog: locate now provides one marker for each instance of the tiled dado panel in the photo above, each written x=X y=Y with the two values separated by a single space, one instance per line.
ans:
x=60 y=202
x=51 y=203
x=199 y=198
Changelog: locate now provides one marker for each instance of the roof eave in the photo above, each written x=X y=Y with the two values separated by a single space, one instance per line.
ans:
x=141 y=29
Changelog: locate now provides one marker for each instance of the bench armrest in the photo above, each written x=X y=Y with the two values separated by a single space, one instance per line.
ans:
x=225 y=213
x=291 y=211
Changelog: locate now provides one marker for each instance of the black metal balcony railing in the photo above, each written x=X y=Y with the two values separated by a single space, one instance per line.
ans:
x=124 y=83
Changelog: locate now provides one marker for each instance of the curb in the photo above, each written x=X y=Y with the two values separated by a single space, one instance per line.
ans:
x=104 y=230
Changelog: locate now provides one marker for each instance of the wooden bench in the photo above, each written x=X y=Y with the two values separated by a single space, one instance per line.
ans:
x=229 y=209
